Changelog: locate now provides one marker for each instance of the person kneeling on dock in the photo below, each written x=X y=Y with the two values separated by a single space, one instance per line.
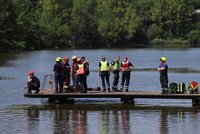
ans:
x=33 y=82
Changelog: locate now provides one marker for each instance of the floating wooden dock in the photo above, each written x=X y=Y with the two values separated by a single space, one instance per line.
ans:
x=126 y=97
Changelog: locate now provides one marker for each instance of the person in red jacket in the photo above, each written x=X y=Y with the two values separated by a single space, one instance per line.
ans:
x=66 y=69
x=126 y=73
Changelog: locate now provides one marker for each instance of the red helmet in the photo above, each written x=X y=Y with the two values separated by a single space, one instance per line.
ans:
x=30 y=72
x=66 y=59
x=125 y=59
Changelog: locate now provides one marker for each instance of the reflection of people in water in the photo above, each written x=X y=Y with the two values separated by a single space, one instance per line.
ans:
x=104 y=122
x=32 y=120
x=117 y=122
x=79 y=119
x=126 y=121
x=164 y=122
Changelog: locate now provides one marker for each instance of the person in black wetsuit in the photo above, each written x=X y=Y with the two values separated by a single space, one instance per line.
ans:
x=57 y=68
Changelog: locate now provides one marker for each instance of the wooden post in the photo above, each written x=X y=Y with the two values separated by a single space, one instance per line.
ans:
x=51 y=100
x=196 y=102
x=127 y=100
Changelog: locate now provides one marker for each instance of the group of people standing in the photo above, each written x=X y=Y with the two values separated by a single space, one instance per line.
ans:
x=79 y=71
x=115 y=66
x=63 y=72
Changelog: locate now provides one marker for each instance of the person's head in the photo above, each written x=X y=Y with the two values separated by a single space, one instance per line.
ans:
x=66 y=59
x=31 y=72
x=74 y=58
x=125 y=59
x=83 y=59
x=163 y=59
x=117 y=58
x=103 y=58
x=79 y=60
x=58 y=59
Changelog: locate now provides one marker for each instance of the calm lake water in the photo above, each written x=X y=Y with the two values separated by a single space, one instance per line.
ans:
x=99 y=116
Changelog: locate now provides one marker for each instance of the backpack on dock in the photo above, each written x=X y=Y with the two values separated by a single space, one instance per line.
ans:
x=193 y=87
x=181 y=88
x=173 y=88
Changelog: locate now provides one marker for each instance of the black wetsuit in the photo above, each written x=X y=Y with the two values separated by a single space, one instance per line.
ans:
x=58 y=76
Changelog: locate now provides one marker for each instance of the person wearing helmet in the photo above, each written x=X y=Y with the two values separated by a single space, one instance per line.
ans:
x=73 y=70
x=126 y=73
x=87 y=70
x=116 y=68
x=104 y=73
x=66 y=69
x=80 y=76
x=33 y=83
x=57 y=68
x=163 y=69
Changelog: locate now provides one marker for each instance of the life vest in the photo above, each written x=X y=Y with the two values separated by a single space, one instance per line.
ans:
x=80 y=70
x=116 y=66
x=125 y=66
x=194 y=85
x=104 y=66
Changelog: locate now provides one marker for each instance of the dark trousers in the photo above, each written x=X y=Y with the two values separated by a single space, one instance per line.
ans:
x=126 y=75
x=66 y=80
x=105 y=77
x=32 y=86
x=164 y=81
x=115 y=79
x=74 y=79
x=85 y=79
x=58 y=81
x=82 y=80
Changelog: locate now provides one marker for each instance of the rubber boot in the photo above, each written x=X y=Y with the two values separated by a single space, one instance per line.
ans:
x=163 y=91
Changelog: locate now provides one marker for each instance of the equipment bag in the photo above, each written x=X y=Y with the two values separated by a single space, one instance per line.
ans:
x=173 y=88
x=193 y=87
x=181 y=88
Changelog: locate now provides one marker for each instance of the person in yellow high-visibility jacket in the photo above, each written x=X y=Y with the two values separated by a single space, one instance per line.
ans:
x=116 y=68
x=104 y=73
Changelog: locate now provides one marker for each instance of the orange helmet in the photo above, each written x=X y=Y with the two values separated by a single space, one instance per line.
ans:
x=78 y=60
x=30 y=72
x=66 y=59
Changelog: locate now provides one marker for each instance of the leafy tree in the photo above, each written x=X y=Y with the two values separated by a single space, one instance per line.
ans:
x=8 y=33
x=83 y=24
x=172 y=17
x=52 y=21
x=117 y=21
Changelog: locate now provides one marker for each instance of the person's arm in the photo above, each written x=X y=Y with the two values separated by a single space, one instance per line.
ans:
x=29 y=79
x=160 y=68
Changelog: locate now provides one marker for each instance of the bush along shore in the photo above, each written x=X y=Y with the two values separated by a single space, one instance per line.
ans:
x=78 y=24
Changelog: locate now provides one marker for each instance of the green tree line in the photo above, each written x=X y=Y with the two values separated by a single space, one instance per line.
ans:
x=43 y=24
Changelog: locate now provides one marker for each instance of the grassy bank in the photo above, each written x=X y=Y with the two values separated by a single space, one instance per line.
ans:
x=176 y=43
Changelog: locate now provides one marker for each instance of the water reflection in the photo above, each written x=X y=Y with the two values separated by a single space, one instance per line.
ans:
x=32 y=121
x=164 y=122
x=80 y=120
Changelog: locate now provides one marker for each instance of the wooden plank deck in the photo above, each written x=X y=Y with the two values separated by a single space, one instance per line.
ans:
x=98 y=94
